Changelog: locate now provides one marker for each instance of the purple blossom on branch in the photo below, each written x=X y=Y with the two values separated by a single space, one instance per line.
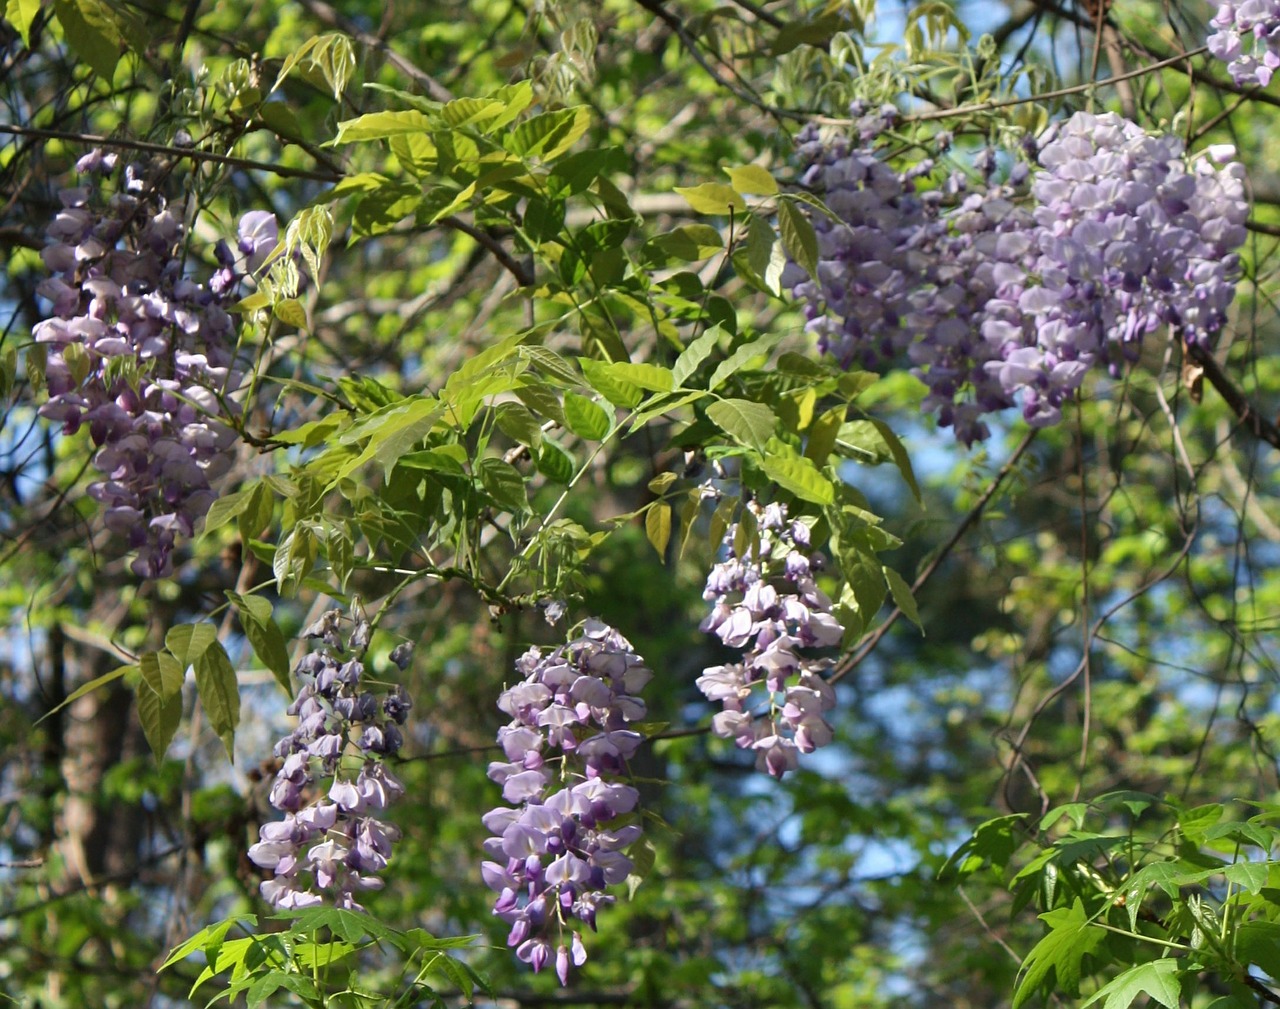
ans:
x=560 y=843
x=992 y=304
x=1247 y=39
x=334 y=783
x=141 y=354
x=767 y=603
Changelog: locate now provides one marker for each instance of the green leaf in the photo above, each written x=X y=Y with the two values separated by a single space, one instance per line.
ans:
x=379 y=125
x=504 y=484
x=800 y=476
x=821 y=440
x=992 y=843
x=93 y=32
x=350 y=926
x=219 y=693
x=798 y=236
x=750 y=424
x=1059 y=953
x=160 y=700
x=712 y=198
x=900 y=457
x=265 y=636
x=1258 y=942
x=902 y=597
x=20 y=14
x=162 y=673
x=188 y=642
x=1158 y=979
x=518 y=424
x=657 y=526
x=1248 y=876
x=652 y=377
x=290 y=311
x=616 y=390
x=694 y=354
x=208 y=938
x=691 y=243
x=752 y=179
x=225 y=509
x=548 y=135
x=741 y=357
x=586 y=418
x=88 y=688
x=555 y=463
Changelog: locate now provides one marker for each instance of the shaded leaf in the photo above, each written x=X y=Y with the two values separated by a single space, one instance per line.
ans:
x=219 y=693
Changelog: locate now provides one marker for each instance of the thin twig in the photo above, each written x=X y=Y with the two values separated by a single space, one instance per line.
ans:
x=194 y=153
x=1044 y=96
x=869 y=642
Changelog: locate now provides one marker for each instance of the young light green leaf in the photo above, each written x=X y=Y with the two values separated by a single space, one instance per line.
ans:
x=798 y=236
x=657 y=526
x=752 y=179
x=219 y=693
x=712 y=198
x=379 y=125
x=800 y=476
x=265 y=636
x=20 y=14
x=548 y=135
x=586 y=418
x=750 y=424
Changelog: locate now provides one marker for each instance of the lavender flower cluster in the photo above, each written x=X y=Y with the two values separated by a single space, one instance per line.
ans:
x=768 y=604
x=331 y=842
x=1247 y=39
x=561 y=841
x=141 y=353
x=992 y=304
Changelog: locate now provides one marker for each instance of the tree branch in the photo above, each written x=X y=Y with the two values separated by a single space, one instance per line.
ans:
x=1252 y=418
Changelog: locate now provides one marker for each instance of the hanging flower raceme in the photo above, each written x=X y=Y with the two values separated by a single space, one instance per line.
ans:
x=767 y=603
x=560 y=843
x=1247 y=38
x=334 y=783
x=993 y=303
x=141 y=354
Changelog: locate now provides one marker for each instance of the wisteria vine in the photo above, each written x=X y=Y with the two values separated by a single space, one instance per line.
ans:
x=142 y=354
x=766 y=602
x=993 y=304
x=560 y=844
x=332 y=842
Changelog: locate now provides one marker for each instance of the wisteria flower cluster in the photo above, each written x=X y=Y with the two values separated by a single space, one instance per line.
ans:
x=331 y=842
x=561 y=841
x=767 y=603
x=142 y=354
x=1247 y=39
x=992 y=303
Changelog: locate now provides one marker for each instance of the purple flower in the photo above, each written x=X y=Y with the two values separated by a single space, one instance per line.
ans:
x=774 y=608
x=562 y=849
x=337 y=840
